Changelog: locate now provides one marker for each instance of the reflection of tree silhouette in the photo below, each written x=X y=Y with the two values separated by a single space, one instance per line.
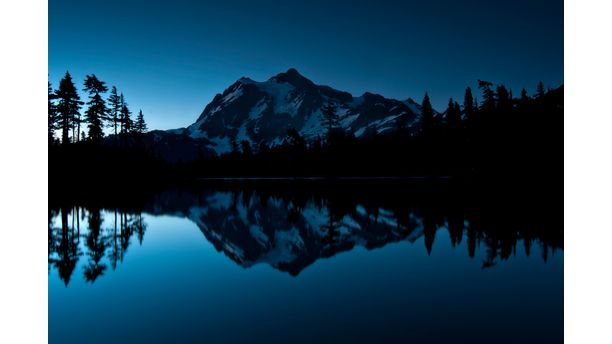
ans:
x=96 y=243
x=67 y=250
x=114 y=255
x=429 y=230
x=121 y=236
x=488 y=263
x=472 y=238
x=373 y=211
x=402 y=215
x=263 y=198
x=100 y=244
x=544 y=252
x=126 y=233
x=51 y=238
x=247 y=195
x=318 y=203
x=527 y=244
x=299 y=201
x=331 y=228
x=140 y=228
x=332 y=233
x=293 y=215
x=78 y=219
x=506 y=247
x=455 y=228
x=491 y=252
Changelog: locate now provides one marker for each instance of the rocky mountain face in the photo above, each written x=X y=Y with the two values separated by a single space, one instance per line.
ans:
x=264 y=111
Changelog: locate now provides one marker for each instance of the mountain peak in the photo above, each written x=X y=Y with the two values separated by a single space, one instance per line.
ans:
x=262 y=111
x=293 y=72
x=293 y=77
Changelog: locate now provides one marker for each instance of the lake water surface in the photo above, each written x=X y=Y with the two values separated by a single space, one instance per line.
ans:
x=309 y=264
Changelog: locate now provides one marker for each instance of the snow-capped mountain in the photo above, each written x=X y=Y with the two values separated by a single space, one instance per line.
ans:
x=264 y=111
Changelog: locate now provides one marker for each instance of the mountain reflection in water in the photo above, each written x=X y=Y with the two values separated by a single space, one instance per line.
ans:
x=290 y=227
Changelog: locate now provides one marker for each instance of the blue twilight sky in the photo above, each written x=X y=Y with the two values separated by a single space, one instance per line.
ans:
x=170 y=58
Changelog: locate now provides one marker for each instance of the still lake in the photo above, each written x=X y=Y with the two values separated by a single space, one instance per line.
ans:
x=302 y=264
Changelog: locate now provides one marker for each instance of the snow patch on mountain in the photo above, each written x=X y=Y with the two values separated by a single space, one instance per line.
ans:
x=315 y=218
x=231 y=96
x=285 y=249
x=221 y=145
x=349 y=222
x=360 y=131
x=257 y=232
x=313 y=126
x=220 y=200
x=257 y=110
x=242 y=134
x=348 y=120
x=279 y=92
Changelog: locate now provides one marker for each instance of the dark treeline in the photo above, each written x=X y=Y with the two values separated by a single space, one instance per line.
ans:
x=65 y=116
x=501 y=145
x=79 y=150
x=500 y=138
x=499 y=225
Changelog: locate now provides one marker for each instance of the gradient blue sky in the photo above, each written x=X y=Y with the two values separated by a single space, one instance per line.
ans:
x=170 y=58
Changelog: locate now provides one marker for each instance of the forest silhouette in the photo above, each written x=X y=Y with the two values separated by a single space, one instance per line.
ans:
x=518 y=140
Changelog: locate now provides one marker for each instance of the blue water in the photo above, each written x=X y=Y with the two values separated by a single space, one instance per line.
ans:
x=248 y=272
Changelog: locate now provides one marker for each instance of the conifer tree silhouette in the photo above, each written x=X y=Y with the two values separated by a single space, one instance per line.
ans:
x=140 y=127
x=114 y=101
x=330 y=118
x=97 y=111
x=69 y=104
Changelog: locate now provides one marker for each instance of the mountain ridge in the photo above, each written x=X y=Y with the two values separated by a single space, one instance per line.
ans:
x=262 y=112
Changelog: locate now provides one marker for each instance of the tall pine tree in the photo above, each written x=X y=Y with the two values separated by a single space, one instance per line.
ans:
x=524 y=99
x=52 y=119
x=540 y=90
x=124 y=117
x=468 y=103
x=488 y=95
x=453 y=116
x=140 y=127
x=97 y=110
x=114 y=102
x=504 y=99
x=330 y=118
x=427 y=115
x=69 y=104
